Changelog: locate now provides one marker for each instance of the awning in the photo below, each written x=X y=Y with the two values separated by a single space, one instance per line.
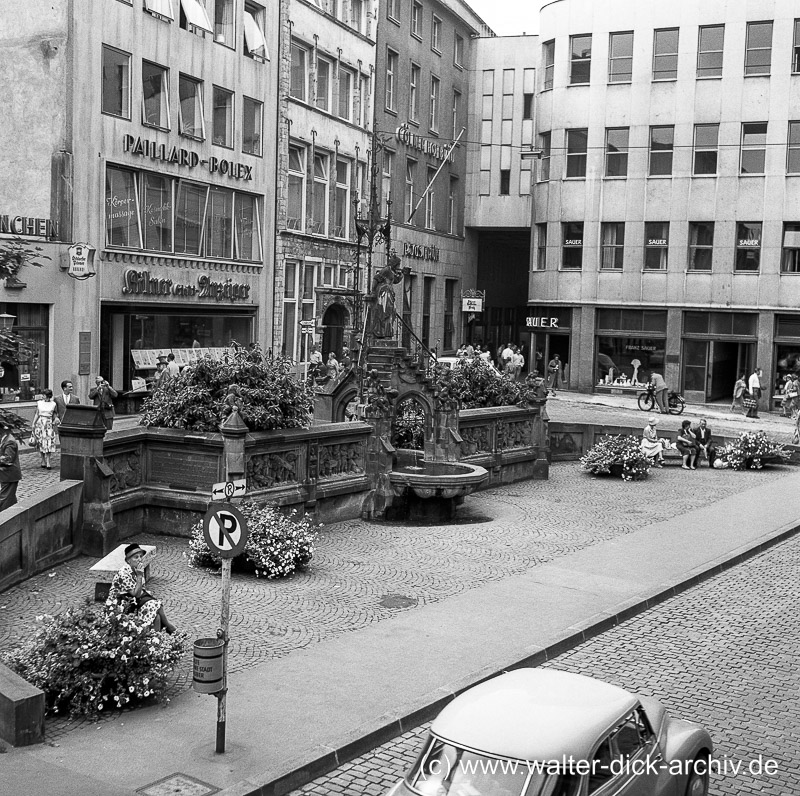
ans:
x=196 y=15
x=254 y=38
x=160 y=8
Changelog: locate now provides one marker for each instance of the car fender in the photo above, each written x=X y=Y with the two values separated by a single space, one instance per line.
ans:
x=684 y=741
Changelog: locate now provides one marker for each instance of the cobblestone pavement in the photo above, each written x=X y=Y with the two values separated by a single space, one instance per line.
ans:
x=723 y=654
x=365 y=572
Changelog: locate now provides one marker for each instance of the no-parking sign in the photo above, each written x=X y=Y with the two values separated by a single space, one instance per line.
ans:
x=225 y=530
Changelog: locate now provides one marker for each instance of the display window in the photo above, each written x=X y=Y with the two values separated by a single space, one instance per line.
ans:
x=24 y=371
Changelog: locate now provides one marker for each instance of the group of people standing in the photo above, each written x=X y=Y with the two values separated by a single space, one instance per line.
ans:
x=692 y=443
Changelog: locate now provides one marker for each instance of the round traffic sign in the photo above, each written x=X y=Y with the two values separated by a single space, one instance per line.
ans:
x=225 y=530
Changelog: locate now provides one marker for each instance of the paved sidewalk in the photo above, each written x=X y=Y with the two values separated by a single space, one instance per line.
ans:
x=526 y=572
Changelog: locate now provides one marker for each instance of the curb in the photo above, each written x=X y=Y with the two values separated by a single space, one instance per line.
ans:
x=321 y=760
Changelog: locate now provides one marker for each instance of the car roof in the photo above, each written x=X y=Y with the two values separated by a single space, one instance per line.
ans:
x=534 y=714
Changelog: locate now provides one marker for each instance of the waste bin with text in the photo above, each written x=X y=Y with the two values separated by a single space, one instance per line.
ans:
x=208 y=665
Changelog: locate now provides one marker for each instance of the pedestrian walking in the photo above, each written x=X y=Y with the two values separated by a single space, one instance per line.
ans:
x=67 y=398
x=660 y=390
x=103 y=395
x=754 y=388
x=517 y=362
x=43 y=429
x=10 y=473
x=554 y=373
x=739 y=390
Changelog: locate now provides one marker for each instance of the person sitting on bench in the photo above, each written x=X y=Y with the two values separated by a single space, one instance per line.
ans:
x=127 y=590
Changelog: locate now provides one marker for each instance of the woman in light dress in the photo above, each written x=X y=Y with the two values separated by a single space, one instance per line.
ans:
x=43 y=433
x=651 y=446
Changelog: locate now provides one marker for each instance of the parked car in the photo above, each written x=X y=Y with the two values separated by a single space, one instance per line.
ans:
x=542 y=732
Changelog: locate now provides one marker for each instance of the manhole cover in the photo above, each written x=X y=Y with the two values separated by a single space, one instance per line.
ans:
x=178 y=785
x=397 y=601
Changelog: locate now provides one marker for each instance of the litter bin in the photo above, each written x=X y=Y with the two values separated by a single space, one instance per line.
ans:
x=207 y=677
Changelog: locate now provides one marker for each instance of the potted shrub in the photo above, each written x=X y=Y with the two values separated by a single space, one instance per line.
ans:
x=751 y=451
x=617 y=455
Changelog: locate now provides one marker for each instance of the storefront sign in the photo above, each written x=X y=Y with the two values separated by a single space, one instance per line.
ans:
x=81 y=261
x=657 y=242
x=630 y=347
x=542 y=323
x=573 y=242
x=29 y=227
x=747 y=242
x=141 y=283
x=433 y=148
x=419 y=252
x=183 y=157
x=471 y=305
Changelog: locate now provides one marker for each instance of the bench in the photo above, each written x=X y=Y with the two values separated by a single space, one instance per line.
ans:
x=113 y=563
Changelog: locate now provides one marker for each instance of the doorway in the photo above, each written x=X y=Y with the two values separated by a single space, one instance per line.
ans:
x=334 y=321
x=711 y=367
x=544 y=345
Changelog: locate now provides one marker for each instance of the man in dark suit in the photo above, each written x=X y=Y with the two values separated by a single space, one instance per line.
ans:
x=10 y=473
x=703 y=436
x=103 y=395
x=64 y=400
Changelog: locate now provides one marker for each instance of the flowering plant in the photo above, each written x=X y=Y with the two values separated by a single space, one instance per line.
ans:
x=276 y=546
x=751 y=450
x=624 y=451
x=86 y=660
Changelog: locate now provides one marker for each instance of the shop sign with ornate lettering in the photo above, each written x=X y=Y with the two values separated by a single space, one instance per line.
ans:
x=142 y=283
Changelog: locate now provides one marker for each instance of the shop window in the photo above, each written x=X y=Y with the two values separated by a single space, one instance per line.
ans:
x=345 y=98
x=580 y=59
x=319 y=194
x=656 y=245
x=793 y=149
x=116 y=89
x=614 y=319
x=458 y=50
x=430 y=201
x=392 y=60
x=25 y=377
x=790 y=255
x=252 y=126
x=323 y=92
x=787 y=326
x=758 y=52
x=796 y=48
x=541 y=247
x=155 y=96
x=157 y=212
x=721 y=324
x=628 y=355
x=576 y=152
x=411 y=168
x=620 y=57
x=224 y=26
x=665 y=54
x=222 y=119
x=191 y=121
x=416 y=19
x=342 y=215
x=661 y=150
x=218 y=241
x=710 y=44
x=194 y=17
x=298 y=87
x=572 y=245
x=190 y=214
x=701 y=245
x=706 y=149
x=295 y=217
x=255 y=45
x=436 y=34
x=748 y=246
x=754 y=148
x=122 y=209
x=617 y=151
x=548 y=64
x=613 y=253
x=435 y=90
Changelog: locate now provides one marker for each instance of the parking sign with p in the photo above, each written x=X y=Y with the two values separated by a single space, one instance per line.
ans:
x=225 y=530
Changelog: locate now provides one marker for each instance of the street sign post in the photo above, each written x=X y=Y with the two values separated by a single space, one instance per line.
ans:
x=227 y=490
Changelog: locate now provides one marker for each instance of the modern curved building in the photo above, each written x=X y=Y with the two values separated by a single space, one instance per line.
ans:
x=667 y=198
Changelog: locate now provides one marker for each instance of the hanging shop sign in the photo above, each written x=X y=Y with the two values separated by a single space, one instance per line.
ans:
x=435 y=149
x=165 y=153
x=419 y=252
x=81 y=261
x=471 y=305
x=542 y=323
x=28 y=227
x=141 y=283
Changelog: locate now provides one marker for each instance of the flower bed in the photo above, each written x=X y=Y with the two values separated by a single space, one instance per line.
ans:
x=277 y=544
x=617 y=455
x=751 y=451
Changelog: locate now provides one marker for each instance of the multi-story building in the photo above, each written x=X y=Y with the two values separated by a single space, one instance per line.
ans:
x=667 y=229
x=140 y=131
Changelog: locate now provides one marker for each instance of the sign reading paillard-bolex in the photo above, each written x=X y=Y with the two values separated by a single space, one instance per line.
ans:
x=140 y=283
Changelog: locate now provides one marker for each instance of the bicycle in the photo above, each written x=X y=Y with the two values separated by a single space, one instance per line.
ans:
x=647 y=401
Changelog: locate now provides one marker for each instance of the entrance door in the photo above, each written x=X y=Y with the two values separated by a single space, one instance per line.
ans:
x=710 y=368
x=333 y=323
x=543 y=346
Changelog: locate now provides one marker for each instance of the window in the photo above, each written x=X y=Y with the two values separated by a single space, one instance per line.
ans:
x=581 y=59
x=386 y=176
x=430 y=201
x=458 y=50
x=255 y=45
x=416 y=19
x=155 y=96
x=665 y=54
x=411 y=167
x=413 y=95
x=790 y=256
x=323 y=94
x=296 y=189
x=156 y=215
x=345 y=104
x=754 y=148
x=319 y=194
x=436 y=34
x=710 y=42
x=408 y=303
x=613 y=234
x=122 y=209
x=434 y=120
x=576 y=152
x=393 y=10
x=748 y=246
x=505 y=182
x=218 y=238
x=222 y=121
x=572 y=245
x=620 y=57
x=363 y=101
x=527 y=106
x=661 y=147
x=541 y=247
x=427 y=301
x=252 y=124
x=224 y=32
x=191 y=122
x=160 y=9
x=194 y=17
x=342 y=215
x=449 y=326
x=706 y=143
x=452 y=212
x=796 y=48
x=357 y=15
x=456 y=113
x=793 y=149
x=701 y=245
x=298 y=87
x=758 y=55
x=391 y=73
x=116 y=83
x=26 y=377
x=617 y=151
x=549 y=62
x=544 y=163
x=656 y=245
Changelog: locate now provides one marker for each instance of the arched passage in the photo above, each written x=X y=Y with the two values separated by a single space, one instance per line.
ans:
x=334 y=321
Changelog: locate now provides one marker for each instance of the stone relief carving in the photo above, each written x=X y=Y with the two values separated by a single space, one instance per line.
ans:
x=127 y=468
x=272 y=469
x=514 y=434
x=341 y=460
x=476 y=439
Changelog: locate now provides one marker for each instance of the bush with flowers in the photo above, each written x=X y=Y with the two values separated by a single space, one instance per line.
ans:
x=623 y=451
x=277 y=545
x=751 y=451
x=88 y=660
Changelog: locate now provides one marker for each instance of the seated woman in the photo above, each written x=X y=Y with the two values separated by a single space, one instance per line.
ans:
x=127 y=590
x=687 y=446
x=651 y=446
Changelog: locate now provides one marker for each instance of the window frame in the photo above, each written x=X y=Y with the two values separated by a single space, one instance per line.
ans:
x=416 y=19
x=748 y=49
x=627 y=77
x=301 y=176
x=125 y=84
x=796 y=48
x=393 y=6
x=654 y=244
x=790 y=253
x=452 y=207
x=612 y=252
x=436 y=34
x=344 y=91
x=323 y=184
x=436 y=92
x=694 y=249
x=392 y=63
x=701 y=52
x=408 y=194
x=230 y=135
x=323 y=96
x=294 y=68
x=566 y=228
x=225 y=31
x=548 y=64
x=415 y=77
x=743 y=250
x=793 y=146
x=656 y=153
x=458 y=50
x=456 y=112
x=672 y=73
x=619 y=154
x=342 y=205
x=753 y=148
x=258 y=128
x=577 y=155
x=164 y=104
x=704 y=149
x=541 y=246
x=199 y=102
x=545 y=146
x=256 y=15
x=430 y=200
x=576 y=62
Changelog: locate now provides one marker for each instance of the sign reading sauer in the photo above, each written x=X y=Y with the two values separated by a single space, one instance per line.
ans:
x=140 y=283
